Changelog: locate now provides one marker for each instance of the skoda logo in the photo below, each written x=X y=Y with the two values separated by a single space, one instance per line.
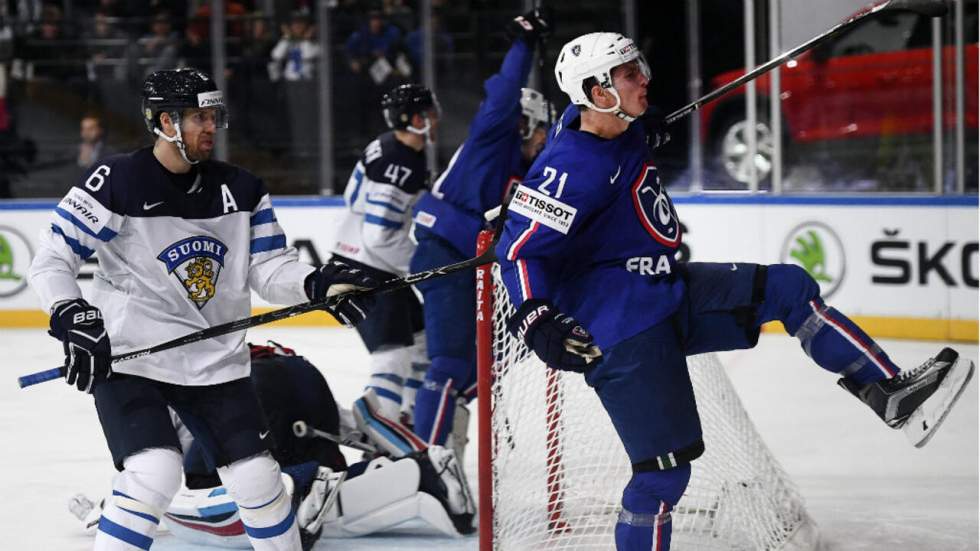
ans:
x=816 y=248
x=15 y=260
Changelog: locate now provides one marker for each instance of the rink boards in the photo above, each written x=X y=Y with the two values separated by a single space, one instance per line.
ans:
x=902 y=266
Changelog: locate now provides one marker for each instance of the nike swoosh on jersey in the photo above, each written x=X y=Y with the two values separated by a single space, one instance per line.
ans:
x=153 y=205
x=734 y=267
x=612 y=179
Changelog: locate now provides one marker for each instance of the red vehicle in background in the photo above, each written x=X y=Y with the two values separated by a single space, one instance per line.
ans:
x=855 y=96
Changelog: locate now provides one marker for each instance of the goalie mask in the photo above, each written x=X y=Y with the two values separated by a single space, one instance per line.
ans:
x=171 y=92
x=405 y=101
x=593 y=56
x=537 y=110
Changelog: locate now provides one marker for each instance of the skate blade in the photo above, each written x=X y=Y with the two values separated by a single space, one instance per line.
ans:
x=920 y=437
x=329 y=502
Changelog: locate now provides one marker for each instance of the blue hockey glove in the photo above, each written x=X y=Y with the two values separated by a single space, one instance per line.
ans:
x=529 y=27
x=88 y=358
x=334 y=278
x=556 y=338
x=655 y=127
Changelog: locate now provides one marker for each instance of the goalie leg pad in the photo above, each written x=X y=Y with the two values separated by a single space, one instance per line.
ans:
x=380 y=496
x=386 y=433
x=834 y=342
x=255 y=483
x=140 y=494
x=644 y=522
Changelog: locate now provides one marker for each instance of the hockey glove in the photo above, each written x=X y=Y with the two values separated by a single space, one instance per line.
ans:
x=88 y=359
x=529 y=27
x=334 y=278
x=556 y=338
x=655 y=128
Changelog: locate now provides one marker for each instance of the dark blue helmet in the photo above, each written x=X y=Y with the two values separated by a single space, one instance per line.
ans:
x=404 y=101
x=178 y=89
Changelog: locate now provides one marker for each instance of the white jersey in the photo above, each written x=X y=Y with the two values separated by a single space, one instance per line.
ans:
x=177 y=254
x=384 y=186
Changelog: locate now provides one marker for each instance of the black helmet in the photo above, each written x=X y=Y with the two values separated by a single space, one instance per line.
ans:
x=173 y=90
x=404 y=101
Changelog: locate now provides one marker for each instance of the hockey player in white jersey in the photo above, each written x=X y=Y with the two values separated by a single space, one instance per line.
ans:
x=330 y=498
x=181 y=239
x=373 y=235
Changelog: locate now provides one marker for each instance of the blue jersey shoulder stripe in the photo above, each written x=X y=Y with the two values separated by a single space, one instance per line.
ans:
x=388 y=206
x=384 y=222
x=76 y=247
x=270 y=243
x=105 y=234
x=358 y=179
x=264 y=216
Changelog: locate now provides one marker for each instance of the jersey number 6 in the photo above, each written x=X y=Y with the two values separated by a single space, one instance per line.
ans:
x=95 y=181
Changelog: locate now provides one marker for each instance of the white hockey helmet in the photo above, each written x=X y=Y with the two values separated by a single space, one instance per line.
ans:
x=594 y=55
x=537 y=109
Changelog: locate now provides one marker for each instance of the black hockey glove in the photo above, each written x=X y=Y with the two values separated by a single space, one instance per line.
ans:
x=529 y=27
x=556 y=338
x=334 y=278
x=88 y=358
x=655 y=127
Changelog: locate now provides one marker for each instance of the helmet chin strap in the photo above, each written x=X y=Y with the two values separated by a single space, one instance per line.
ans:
x=177 y=139
x=424 y=131
x=615 y=109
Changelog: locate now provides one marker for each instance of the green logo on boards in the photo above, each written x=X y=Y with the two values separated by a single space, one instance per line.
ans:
x=15 y=259
x=816 y=248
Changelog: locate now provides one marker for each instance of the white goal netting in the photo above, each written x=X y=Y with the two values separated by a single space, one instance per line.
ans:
x=558 y=468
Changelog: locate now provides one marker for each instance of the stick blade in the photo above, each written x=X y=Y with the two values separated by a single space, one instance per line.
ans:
x=931 y=8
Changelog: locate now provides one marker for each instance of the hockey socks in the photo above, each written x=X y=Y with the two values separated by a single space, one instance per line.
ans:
x=644 y=521
x=435 y=401
x=264 y=505
x=833 y=341
x=140 y=494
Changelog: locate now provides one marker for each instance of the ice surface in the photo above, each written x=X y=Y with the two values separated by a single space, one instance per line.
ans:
x=865 y=486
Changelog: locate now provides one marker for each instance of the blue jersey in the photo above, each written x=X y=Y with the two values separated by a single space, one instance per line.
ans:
x=592 y=230
x=487 y=162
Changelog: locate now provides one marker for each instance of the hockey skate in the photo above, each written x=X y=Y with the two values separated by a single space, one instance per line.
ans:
x=313 y=509
x=917 y=401
x=446 y=477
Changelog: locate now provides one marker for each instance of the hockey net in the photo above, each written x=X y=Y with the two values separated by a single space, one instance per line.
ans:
x=552 y=468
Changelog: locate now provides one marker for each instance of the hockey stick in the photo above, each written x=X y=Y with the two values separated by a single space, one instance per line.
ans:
x=291 y=311
x=303 y=430
x=931 y=8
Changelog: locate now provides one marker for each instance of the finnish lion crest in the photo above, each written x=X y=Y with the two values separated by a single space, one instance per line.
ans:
x=196 y=262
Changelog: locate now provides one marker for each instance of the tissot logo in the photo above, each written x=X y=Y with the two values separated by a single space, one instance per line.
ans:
x=15 y=259
x=816 y=248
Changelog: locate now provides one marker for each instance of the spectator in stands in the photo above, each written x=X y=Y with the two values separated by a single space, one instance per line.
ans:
x=106 y=46
x=373 y=55
x=294 y=57
x=43 y=55
x=93 y=141
x=373 y=46
x=195 y=50
x=157 y=50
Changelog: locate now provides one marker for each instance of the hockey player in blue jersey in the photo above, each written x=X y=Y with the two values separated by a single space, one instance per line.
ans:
x=504 y=137
x=588 y=259
x=181 y=242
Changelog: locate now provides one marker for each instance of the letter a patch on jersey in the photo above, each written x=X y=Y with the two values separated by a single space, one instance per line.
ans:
x=548 y=211
x=196 y=262
x=655 y=209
